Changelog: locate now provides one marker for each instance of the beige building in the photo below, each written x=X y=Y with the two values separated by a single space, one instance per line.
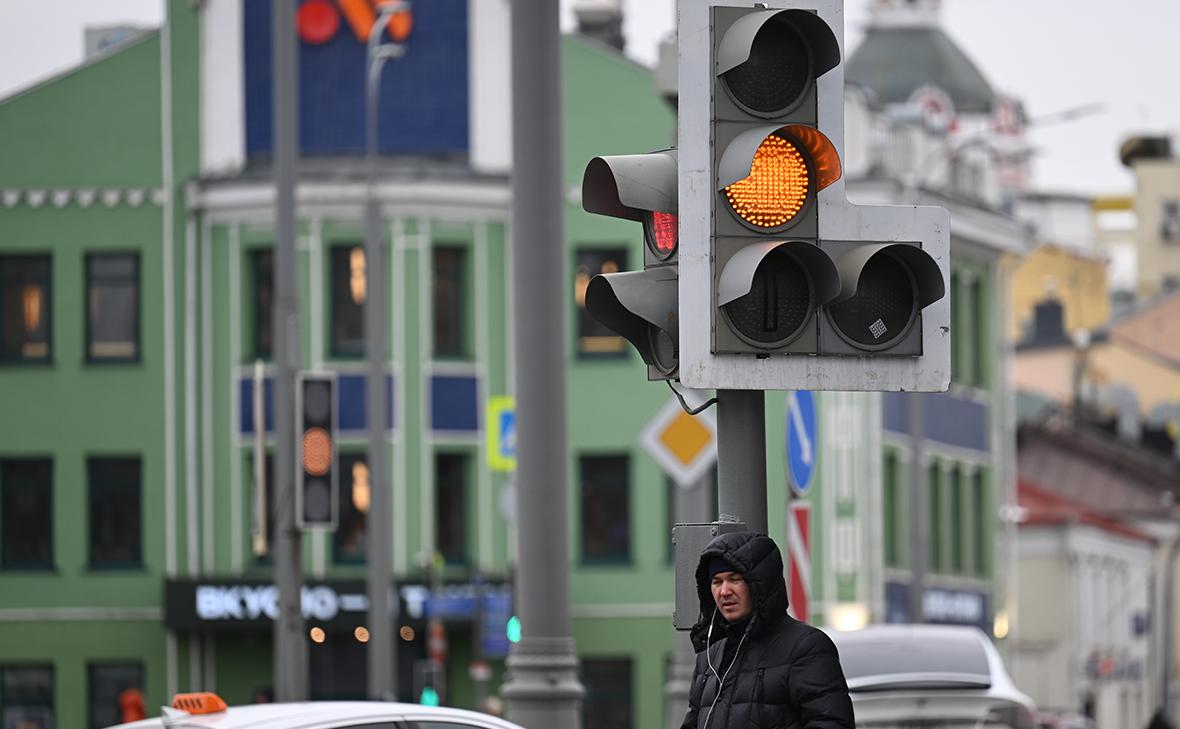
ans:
x=1157 y=209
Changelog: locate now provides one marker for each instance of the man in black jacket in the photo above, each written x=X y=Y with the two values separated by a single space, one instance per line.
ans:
x=757 y=666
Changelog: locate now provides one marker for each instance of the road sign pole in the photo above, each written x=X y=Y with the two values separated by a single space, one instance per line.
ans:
x=741 y=457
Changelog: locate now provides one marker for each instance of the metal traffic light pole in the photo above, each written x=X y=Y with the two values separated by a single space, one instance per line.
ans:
x=542 y=690
x=290 y=644
x=741 y=458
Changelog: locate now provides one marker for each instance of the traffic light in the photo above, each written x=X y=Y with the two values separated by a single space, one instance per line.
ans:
x=641 y=306
x=316 y=487
x=784 y=283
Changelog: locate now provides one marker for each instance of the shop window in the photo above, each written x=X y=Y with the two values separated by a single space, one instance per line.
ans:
x=25 y=310
x=605 y=509
x=451 y=475
x=26 y=697
x=449 y=284
x=26 y=513
x=115 y=512
x=355 y=494
x=608 y=702
x=115 y=693
x=112 y=307
x=595 y=339
x=262 y=274
x=348 y=300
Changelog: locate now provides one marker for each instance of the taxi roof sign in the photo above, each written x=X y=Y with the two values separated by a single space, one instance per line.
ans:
x=205 y=702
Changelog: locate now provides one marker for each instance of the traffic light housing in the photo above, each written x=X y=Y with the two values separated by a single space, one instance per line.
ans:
x=640 y=306
x=784 y=284
x=316 y=472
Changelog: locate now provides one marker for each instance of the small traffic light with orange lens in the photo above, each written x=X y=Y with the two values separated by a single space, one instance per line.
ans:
x=316 y=478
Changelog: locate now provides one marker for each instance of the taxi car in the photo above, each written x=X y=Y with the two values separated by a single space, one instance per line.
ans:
x=929 y=676
x=208 y=711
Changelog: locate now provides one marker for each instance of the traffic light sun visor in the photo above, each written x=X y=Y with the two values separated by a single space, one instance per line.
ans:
x=628 y=185
x=767 y=59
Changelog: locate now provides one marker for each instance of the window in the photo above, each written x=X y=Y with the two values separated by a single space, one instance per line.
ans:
x=892 y=528
x=934 y=489
x=262 y=270
x=114 y=689
x=979 y=510
x=449 y=282
x=348 y=300
x=25 y=308
x=26 y=697
x=112 y=307
x=957 y=536
x=115 y=521
x=980 y=341
x=355 y=495
x=1170 y=221
x=605 y=509
x=26 y=513
x=450 y=502
x=594 y=339
x=608 y=700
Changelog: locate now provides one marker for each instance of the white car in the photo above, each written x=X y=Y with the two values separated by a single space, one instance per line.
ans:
x=929 y=676
x=206 y=711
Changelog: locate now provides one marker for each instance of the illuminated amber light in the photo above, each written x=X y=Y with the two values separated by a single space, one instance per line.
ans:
x=407 y=633
x=317 y=451
x=777 y=187
x=361 y=633
x=362 y=492
x=317 y=634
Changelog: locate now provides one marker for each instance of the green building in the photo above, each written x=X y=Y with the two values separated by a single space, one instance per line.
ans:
x=136 y=223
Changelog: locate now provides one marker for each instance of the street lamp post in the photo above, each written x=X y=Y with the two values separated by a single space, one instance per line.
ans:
x=382 y=641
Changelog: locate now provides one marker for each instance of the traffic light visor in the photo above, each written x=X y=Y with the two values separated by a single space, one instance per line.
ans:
x=768 y=175
x=629 y=186
x=641 y=306
x=767 y=60
x=883 y=288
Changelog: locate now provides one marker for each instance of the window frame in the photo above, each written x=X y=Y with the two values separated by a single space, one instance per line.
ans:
x=465 y=466
x=609 y=667
x=344 y=497
x=91 y=667
x=47 y=284
x=623 y=353
x=137 y=323
x=49 y=564
x=463 y=304
x=254 y=256
x=51 y=707
x=335 y=350
x=627 y=558
x=92 y=462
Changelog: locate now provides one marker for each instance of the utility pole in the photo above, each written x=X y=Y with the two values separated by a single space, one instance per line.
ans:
x=692 y=505
x=919 y=508
x=290 y=644
x=741 y=458
x=382 y=646
x=542 y=689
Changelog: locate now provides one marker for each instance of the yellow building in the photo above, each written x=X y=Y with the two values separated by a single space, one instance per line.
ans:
x=1077 y=279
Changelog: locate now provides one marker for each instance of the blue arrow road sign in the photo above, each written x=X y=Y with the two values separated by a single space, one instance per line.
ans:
x=802 y=444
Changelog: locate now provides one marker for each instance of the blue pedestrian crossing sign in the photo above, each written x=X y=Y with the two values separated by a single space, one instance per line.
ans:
x=802 y=443
x=501 y=430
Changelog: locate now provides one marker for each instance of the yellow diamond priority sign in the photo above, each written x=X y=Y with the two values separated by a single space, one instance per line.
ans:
x=684 y=445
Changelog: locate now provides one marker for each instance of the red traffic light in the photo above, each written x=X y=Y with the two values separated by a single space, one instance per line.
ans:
x=662 y=235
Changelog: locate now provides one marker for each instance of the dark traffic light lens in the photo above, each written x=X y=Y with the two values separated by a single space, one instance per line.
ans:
x=317 y=500
x=663 y=350
x=883 y=307
x=317 y=401
x=778 y=305
x=777 y=73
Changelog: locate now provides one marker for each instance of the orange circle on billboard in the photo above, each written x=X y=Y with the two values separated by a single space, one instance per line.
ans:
x=776 y=188
x=317 y=451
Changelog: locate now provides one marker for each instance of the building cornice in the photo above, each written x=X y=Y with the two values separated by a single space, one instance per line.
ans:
x=83 y=197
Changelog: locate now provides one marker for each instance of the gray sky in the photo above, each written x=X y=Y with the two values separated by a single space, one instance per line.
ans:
x=1051 y=54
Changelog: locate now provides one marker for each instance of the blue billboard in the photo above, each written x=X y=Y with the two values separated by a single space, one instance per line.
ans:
x=423 y=101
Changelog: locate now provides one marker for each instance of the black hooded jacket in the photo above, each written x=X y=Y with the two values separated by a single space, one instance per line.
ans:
x=785 y=675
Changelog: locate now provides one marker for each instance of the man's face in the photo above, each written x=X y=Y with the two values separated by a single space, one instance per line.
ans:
x=732 y=595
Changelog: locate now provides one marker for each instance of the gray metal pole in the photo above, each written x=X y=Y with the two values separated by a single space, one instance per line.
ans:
x=693 y=505
x=919 y=509
x=290 y=643
x=382 y=645
x=542 y=690
x=1169 y=631
x=741 y=457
